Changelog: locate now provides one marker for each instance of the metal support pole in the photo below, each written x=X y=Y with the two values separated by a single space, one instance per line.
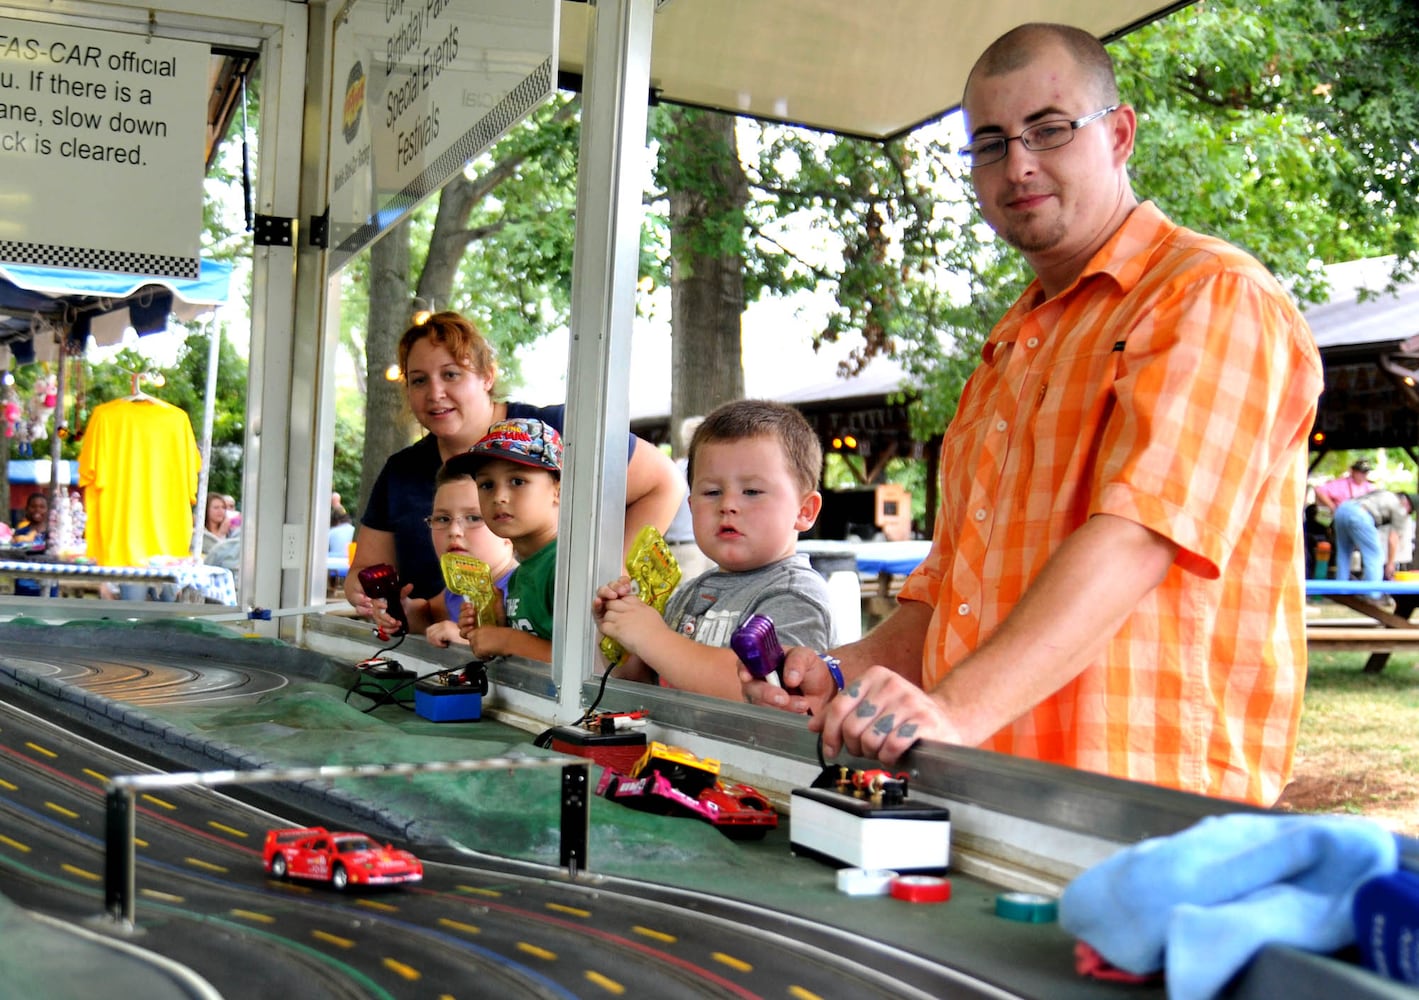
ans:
x=118 y=882
x=576 y=817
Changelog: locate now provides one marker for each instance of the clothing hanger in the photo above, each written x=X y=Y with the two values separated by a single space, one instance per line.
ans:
x=138 y=395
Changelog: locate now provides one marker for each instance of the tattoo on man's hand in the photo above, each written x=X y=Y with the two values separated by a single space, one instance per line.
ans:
x=885 y=724
x=854 y=689
x=908 y=730
x=866 y=710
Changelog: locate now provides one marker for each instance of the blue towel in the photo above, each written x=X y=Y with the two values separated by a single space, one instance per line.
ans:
x=1201 y=903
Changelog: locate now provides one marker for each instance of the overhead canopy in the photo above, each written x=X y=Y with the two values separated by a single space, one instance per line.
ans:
x=35 y=301
x=874 y=70
x=1369 y=345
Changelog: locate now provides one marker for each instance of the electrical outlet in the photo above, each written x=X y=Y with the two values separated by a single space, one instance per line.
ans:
x=290 y=546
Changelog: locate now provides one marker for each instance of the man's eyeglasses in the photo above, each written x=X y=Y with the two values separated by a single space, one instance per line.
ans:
x=1042 y=135
x=442 y=522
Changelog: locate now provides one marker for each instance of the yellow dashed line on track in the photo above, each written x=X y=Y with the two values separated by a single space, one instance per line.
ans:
x=571 y=910
x=160 y=803
x=400 y=969
x=39 y=749
x=459 y=926
x=66 y=813
x=334 y=939
x=207 y=865
x=223 y=828
x=8 y=786
x=606 y=983
x=94 y=774
x=371 y=904
x=799 y=993
x=260 y=918
x=14 y=843
x=737 y=964
x=81 y=873
x=536 y=952
x=162 y=897
x=139 y=842
x=474 y=890
x=654 y=935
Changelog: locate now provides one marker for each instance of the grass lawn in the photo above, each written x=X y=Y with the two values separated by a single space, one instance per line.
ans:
x=1358 y=751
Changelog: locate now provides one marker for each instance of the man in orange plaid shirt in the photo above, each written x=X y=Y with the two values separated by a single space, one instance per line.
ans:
x=1115 y=583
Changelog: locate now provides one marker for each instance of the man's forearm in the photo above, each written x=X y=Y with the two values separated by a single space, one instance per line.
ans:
x=897 y=643
x=1064 y=622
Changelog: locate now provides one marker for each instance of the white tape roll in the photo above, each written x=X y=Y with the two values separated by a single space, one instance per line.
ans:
x=865 y=881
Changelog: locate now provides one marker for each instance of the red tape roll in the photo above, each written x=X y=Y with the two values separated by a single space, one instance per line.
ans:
x=921 y=889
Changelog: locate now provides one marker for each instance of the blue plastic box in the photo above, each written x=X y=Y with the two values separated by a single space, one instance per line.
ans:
x=447 y=702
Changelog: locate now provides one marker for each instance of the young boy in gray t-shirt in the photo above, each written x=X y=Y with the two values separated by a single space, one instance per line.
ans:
x=753 y=476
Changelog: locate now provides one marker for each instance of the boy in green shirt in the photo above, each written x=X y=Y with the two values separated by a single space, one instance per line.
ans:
x=518 y=468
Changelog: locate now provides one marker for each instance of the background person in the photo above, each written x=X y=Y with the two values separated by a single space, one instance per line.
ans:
x=215 y=525
x=33 y=533
x=450 y=379
x=754 y=469
x=1358 y=524
x=1355 y=483
x=1115 y=579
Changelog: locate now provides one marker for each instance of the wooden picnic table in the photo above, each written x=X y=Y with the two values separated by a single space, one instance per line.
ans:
x=1386 y=632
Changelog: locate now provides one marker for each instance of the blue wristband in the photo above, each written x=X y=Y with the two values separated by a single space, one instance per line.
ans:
x=834 y=668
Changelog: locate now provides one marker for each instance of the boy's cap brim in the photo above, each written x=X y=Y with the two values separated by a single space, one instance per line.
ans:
x=521 y=441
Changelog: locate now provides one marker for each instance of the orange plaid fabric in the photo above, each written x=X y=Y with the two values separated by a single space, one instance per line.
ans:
x=1173 y=384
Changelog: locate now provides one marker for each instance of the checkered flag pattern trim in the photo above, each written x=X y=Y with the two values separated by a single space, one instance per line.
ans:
x=95 y=259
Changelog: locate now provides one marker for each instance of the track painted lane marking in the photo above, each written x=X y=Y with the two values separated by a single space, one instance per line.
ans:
x=605 y=982
x=400 y=969
x=206 y=865
x=457 y=925
x=66 y=813
x=261 y=918
x=22 y=848
x=335 y=939
x=475 y=891
x=571 y=910
x=536 y=952
x=161 y=897
x=44 y=750
x=81 y=873
x=737 y=964
x=654 y=935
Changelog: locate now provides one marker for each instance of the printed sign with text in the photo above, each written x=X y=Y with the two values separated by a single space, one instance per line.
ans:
x=101 y=149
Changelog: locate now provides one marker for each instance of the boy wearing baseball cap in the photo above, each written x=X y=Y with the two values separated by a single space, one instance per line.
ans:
x=518 y=468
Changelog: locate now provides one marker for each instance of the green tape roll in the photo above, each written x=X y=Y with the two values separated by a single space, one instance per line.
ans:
x=1026 y=907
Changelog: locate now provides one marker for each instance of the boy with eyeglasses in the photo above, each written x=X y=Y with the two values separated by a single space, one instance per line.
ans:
x=456 y=525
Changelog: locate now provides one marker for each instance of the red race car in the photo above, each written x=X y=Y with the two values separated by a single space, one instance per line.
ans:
x=338 y=858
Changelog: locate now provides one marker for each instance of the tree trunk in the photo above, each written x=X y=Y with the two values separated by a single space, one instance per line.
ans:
x=706 y=280
x=388 y=424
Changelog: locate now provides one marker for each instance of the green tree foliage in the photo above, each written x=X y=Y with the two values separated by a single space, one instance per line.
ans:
x=1287 y=127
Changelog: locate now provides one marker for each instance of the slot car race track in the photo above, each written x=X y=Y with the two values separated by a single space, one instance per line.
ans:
x=476 y=926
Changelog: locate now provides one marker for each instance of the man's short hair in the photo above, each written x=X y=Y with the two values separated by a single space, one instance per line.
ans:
x=751 y=418
x=1019 y=46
